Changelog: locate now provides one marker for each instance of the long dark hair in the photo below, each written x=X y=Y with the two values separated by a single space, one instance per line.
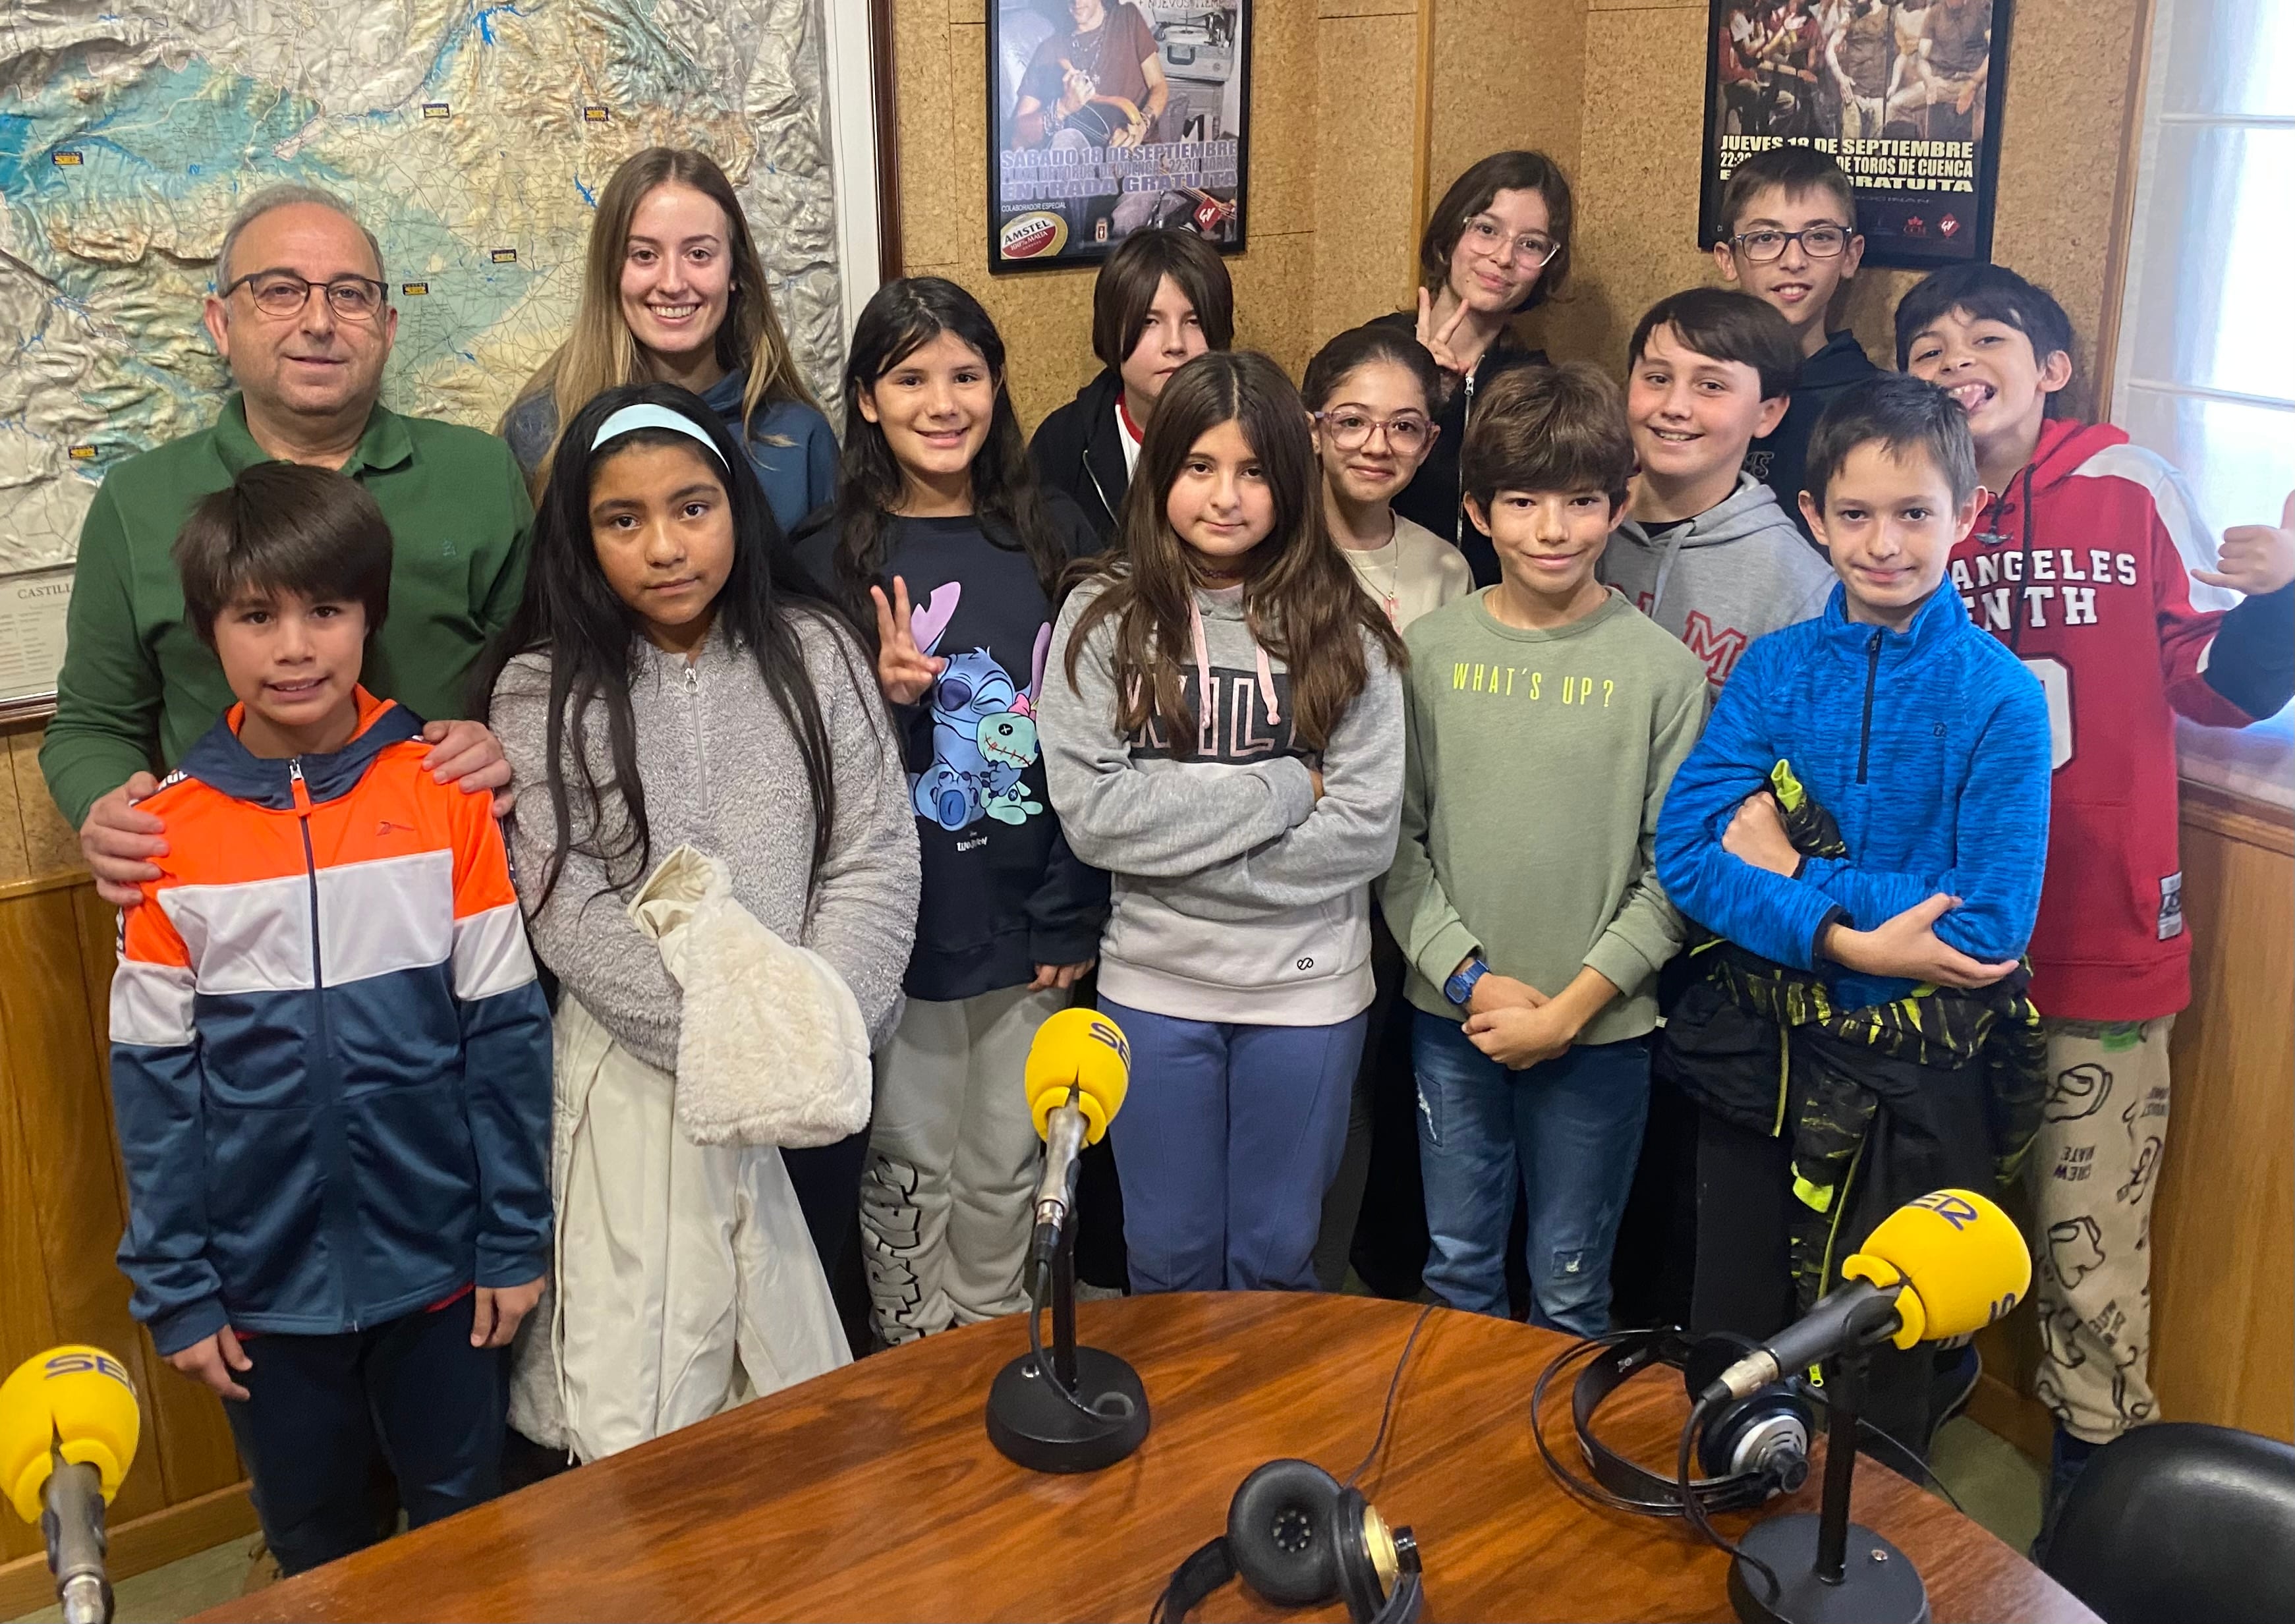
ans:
x=900 y=319
x=593 y=640
x=1299 y=595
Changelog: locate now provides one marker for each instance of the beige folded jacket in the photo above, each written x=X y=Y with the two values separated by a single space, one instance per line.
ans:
x=770 y=1048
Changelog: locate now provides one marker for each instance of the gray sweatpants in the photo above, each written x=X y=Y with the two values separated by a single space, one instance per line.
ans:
x=945 y=1213
x=2094 y=1171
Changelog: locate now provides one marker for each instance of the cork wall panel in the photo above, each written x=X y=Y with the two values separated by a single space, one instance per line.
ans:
x=929 y=162
x=14 y=862
x=1366 y=191
x=2062 y=135
x=51 y=846
x=1270 y=313
x=1506 y=73
x=1636 y=181
x=1284 y=64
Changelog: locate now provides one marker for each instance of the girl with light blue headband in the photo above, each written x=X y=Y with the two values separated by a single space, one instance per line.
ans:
x=662 y=687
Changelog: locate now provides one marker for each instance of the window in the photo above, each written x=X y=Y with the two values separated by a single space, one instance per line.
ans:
x=2205 y=374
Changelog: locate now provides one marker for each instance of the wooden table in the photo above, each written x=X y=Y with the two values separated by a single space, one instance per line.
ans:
x=874 y=1493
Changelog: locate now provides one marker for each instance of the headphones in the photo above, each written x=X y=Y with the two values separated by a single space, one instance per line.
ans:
x=1299 y=1536
x=1749 y=1450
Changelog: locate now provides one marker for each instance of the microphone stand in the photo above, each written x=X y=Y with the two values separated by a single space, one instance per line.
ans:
x=1831 y=1571
x=73 y=1530
x=1087 y=1411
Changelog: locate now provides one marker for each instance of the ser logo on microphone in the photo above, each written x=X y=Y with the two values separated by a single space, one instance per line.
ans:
x=74 y=1364
x=1955 y=1209
x=1107 y=1032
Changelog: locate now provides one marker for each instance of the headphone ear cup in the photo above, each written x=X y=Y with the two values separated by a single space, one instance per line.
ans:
x=1774 y=1425
x=1280 y=1529
x=1358 y=1571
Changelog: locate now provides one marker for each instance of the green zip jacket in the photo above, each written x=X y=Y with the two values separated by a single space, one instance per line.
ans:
x=138 y=687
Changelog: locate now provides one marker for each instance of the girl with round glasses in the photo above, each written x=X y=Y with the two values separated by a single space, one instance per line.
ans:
x=1496 y=246
x=1372 y=391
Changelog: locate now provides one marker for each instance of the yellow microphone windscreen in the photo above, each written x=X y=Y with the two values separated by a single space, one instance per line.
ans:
x=1960 y=1259
x=77 y=1394
x=1083 y=1050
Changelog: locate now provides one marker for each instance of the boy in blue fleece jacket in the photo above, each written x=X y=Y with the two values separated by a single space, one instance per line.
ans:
x=1864 y=824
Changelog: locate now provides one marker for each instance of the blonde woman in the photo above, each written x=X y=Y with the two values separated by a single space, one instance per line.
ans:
x=673 y=292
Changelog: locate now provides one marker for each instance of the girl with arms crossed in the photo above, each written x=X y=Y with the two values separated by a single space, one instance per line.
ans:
x=1223 y=727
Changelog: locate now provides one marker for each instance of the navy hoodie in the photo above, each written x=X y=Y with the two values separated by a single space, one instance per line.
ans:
x=1078 y=450
x=1928 y=747
x=1779 y=457
x=1002 y=891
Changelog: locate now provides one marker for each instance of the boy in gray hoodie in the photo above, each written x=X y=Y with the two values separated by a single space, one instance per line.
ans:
x=1705 y=550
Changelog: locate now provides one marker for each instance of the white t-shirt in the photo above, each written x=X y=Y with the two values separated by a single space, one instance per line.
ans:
x=1415 y=573
x=1130 y=441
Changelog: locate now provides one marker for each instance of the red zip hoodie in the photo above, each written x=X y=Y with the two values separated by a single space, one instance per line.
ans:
x=2081 y=568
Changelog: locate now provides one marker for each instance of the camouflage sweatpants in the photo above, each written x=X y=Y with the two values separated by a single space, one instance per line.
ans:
x=2094 y=1171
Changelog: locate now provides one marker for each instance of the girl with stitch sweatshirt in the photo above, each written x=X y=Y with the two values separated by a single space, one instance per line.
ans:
x=1223 y=727
x=941 y=538
x=658 y=688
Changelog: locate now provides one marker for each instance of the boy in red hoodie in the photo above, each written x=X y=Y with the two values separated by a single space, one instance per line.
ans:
x=2079 y=564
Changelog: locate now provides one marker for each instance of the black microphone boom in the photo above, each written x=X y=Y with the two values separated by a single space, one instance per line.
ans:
x=1856 y=1316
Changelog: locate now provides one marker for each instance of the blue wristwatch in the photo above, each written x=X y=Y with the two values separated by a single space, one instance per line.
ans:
x=1460 y=988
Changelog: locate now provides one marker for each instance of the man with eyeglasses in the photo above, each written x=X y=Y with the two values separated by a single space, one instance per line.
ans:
x=302 y=316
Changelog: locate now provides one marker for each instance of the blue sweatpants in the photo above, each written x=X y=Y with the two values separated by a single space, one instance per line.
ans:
x=1228 y=1138
x=320 y=1409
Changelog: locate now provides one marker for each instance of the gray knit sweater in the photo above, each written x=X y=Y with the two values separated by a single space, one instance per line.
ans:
x=721 y=770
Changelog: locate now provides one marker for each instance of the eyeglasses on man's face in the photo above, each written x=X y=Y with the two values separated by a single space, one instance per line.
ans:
x=1351 y=428
x=282 y=293
x=1531 y=251
x=1817 y=242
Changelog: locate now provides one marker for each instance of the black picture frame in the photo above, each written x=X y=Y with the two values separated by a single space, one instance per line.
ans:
x=1203 y=50
x=1919 y=205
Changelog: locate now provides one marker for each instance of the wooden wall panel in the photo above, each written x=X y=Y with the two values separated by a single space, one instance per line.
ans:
x=72 y=1205
x=2223 y=1229
x=2222 y=1223
x=63 y=1205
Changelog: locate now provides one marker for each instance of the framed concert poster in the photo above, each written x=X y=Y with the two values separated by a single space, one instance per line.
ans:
x=1107 y=115
x=1906 y=93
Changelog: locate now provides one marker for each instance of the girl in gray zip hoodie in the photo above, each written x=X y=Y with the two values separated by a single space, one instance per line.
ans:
x=1222 y=725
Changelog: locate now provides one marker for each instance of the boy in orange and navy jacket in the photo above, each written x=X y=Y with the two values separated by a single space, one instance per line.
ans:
x=329 y=1056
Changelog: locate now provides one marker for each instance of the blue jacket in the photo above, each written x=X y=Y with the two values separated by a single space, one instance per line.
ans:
x=1930 y=748
x=796 y=477
x=329 y=1059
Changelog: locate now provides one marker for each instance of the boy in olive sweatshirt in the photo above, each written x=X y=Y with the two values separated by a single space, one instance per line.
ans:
x=1544 y=718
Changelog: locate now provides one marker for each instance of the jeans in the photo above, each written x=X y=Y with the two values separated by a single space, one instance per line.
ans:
x=1229 y=1137
x=1567 y=1129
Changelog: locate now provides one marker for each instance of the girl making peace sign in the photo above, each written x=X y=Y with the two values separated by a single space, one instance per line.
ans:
x=1496 y=245
x=937 y=494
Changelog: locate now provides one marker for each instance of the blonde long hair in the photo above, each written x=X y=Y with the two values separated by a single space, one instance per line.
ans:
x=602 y=352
